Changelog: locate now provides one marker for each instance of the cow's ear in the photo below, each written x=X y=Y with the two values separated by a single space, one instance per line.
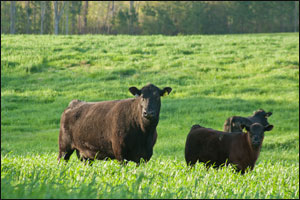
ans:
x=268 y=127
x=134 y=91
x=268 y=114
x=166 y=91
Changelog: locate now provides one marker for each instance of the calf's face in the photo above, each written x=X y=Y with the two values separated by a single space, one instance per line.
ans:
x=256 y=133
x=149 y=100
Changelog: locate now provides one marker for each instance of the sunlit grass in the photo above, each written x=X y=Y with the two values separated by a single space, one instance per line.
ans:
x=35 y=175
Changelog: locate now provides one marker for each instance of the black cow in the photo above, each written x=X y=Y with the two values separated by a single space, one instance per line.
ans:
x=216 y=147
x=121 y=129
x=233 y=124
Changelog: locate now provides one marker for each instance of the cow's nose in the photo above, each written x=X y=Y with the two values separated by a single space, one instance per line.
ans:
x=148 y=115
x=144 y=113
x=256 y=141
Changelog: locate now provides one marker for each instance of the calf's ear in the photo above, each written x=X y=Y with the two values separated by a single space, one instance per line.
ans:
x=166 y=91
x=268 y=114
x=134 y=91
x=268 y=127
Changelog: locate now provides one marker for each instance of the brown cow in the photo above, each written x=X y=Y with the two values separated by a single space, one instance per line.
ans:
x=218 y=148
x=121 y=129
x=233 y=124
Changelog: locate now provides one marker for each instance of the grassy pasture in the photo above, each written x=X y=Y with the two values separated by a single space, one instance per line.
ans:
x=213 y=77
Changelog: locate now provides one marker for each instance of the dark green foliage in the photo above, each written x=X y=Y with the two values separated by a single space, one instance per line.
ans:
x=125 y=22
x=158 y=21
x=162 y=17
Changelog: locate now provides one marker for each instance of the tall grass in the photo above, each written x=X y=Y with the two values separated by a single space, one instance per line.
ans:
x=159 y=178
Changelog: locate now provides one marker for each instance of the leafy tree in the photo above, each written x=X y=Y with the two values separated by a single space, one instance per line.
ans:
x=125 y=21
x=157 y=20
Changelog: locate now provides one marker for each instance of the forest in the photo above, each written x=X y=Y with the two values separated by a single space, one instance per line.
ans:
x=148 y=17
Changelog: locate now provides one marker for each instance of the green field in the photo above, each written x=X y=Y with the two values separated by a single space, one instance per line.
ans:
x=213 y=77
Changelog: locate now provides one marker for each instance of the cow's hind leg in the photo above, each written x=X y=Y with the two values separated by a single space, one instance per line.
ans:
x=65 y=154
x=191 y=160
x=84 y=159
x=65 y=150
x=191 y=163
x=78 y=155
x=65 y=143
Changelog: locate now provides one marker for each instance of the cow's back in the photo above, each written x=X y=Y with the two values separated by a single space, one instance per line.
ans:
x=88 y=125
x=205 y=144
x=233 y=124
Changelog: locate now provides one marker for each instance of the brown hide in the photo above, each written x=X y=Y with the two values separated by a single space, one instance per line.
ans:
x=108 y=129
x=216 y=147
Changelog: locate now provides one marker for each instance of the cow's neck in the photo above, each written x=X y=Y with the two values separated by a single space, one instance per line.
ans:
x=253 y=153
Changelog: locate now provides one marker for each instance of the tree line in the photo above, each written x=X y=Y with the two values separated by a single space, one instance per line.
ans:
x=153 y=17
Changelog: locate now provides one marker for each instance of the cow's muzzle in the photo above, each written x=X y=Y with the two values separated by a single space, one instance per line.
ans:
x=149 y=115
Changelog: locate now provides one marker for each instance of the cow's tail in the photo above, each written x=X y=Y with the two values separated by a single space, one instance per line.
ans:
x=74 y=103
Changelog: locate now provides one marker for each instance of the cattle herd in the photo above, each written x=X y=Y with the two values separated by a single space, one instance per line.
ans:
x=126 y=130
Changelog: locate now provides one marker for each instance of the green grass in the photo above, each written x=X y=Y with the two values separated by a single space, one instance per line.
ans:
x=213 y=77
x=158 y=178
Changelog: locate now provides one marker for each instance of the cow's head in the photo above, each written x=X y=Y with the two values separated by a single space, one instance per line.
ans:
x=256 y=133
x=261 y=116
x=237 y=122
x=149 y=100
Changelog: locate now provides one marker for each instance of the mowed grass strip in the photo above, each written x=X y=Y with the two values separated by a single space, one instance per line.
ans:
x=213 y=77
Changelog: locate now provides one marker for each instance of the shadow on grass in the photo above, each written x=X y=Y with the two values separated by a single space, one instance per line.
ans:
x=202 y=105
x=289 y=144
x=176 y=118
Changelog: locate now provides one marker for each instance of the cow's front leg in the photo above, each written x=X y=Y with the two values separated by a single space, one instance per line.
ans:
x=118 y=151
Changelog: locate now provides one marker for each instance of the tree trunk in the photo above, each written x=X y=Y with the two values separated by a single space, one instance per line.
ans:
x=79 y=27
x=112 y=15
x=34 y=17
x=12 y=16
x=296 y=20
x=85 y=16
x=28 y=12
x=107 y=15
x=43 y=8
x=137 y=7
x=57 y=15
x=131 y=10
x=56 y=23
x=1 y=17
x=98 y=26
x=55 y=18
x=72 y=18
x=131 y=5
x=67 y=18
x=112 y=8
